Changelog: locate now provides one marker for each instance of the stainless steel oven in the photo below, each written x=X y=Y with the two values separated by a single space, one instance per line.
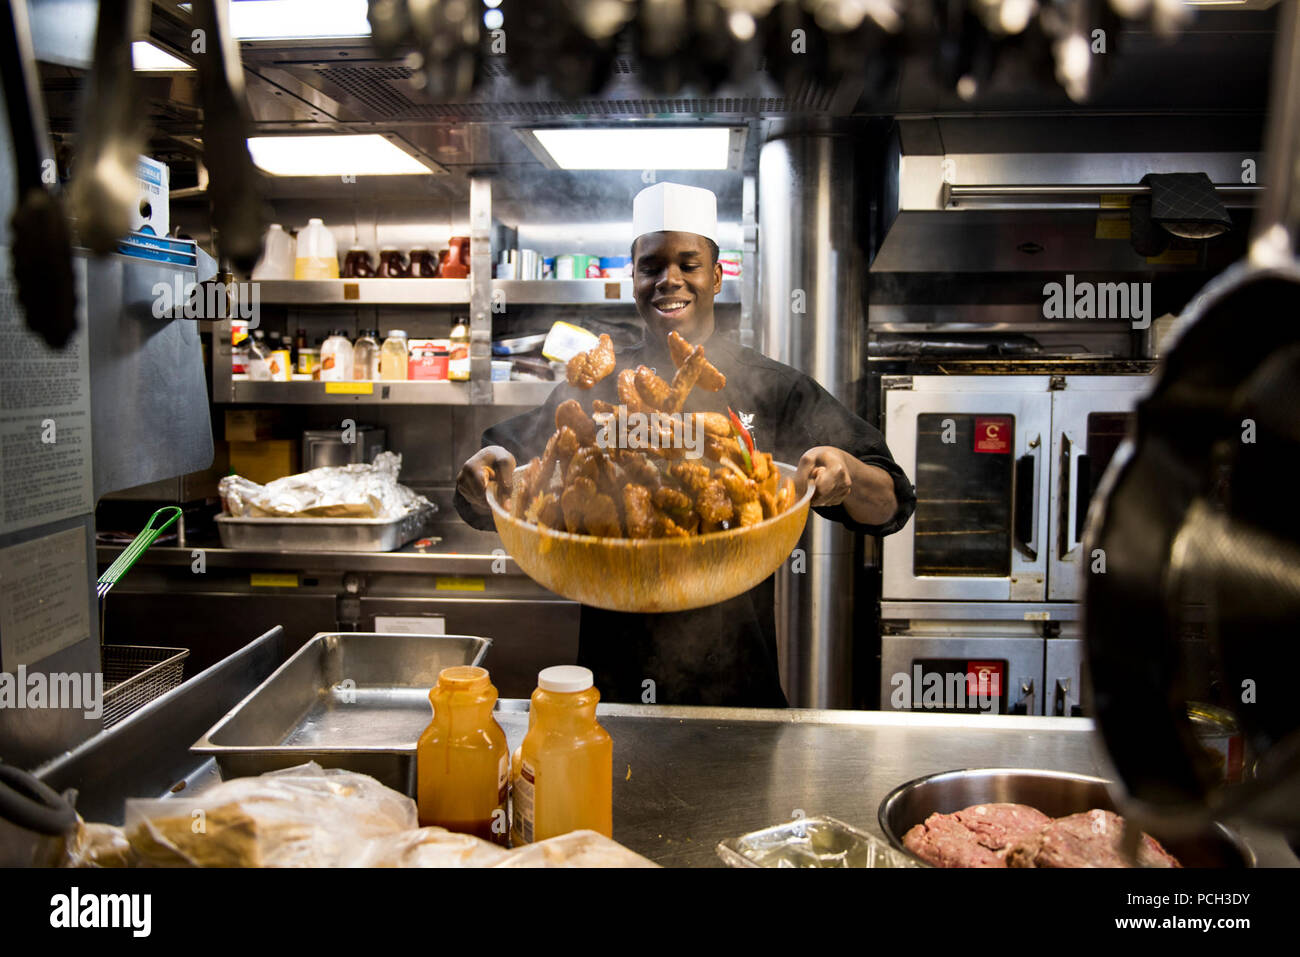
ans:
x=1004 y=467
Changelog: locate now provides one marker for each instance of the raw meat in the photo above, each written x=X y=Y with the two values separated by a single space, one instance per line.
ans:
x=1090 y=839
x=977 y=836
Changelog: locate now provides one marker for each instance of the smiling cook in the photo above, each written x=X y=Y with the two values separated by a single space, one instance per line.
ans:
x=724 y=654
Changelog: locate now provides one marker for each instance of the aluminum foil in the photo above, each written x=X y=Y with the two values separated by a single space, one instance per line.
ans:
x=335 y=491
x=811 y=842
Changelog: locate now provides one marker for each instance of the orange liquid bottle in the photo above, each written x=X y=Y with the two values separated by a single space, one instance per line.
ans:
x=566 y=767
x=462 y=759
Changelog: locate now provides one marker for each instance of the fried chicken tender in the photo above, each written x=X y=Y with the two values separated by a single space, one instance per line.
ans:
x=601 y=406
x=569 y=413
x=713 y=423
x=739 y=489
x=587 y=510
x=638 y=507
x=627 y=391
x=684 y=381
x=722 y=450
x=713 y=505
x=711 y=380
x=584 y=464
x=638 y=468
x=566 y=447
x=768 y=502
x=692 y=475
x=654 y=391
x=587 y=368
x=665 y=527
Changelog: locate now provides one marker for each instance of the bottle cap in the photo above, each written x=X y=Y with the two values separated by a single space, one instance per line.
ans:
x=565 y=678
x=397 y=332
x=463 y=678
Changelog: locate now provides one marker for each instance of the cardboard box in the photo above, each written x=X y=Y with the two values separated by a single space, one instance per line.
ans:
x=251 y=425
x=264 y=461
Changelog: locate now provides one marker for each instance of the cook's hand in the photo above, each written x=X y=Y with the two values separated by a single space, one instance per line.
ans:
x=825 y=467
x=490 y=465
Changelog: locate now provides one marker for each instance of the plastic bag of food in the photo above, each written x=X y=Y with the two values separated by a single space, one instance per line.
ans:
x=432 y=847
x=332 y=491
x=307 y=816
x=98 y=845
x=576 y=849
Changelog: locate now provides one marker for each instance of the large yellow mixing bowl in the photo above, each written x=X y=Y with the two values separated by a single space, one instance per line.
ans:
x=654 y=574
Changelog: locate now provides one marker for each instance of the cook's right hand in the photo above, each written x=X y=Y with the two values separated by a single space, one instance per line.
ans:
x=490 y=465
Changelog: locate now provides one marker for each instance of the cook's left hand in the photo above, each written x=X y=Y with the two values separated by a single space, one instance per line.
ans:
x=825 y=467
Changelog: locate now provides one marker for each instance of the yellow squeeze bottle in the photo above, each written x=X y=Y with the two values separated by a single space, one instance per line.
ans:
x=565 y=777
x=462 y=759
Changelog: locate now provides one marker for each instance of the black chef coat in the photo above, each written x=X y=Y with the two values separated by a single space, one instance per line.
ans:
x=723 y=654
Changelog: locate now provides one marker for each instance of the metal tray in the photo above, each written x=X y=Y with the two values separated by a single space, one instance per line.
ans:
x=811 y=842
x=323 y=534
x=356 y=700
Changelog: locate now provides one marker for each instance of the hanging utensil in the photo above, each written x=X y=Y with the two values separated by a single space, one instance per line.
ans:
x=235 y=184
x=42 y=241
x=113 y=132
x=122 y=564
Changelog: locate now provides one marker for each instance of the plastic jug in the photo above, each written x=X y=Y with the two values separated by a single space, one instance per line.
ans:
x=462 y=759
x=278 y=254
x=566 y=763
x=317 y=255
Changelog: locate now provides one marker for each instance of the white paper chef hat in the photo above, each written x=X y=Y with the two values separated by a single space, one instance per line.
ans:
x=673 y=207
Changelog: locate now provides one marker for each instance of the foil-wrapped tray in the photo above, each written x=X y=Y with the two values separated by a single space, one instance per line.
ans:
x=323 y=534
x=811 y=842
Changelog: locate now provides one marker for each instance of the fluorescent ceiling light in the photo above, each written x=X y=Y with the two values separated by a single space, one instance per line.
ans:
x=147 y=58
x=365 y=154
x=298 y=19
x=659 y=148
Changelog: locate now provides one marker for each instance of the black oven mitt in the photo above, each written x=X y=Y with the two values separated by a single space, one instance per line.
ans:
x=1185 y=204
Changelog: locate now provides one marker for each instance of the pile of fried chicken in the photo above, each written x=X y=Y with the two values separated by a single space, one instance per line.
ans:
x=657 y=492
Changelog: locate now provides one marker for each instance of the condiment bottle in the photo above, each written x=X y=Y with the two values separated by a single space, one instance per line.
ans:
x=336 y=357
x=393 y=356
x=365 y=356
x=566 y=763
x=458 y=364
x=462 y=759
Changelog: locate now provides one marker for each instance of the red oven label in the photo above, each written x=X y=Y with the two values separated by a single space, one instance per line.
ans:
x=984 y=678
x=993 y=433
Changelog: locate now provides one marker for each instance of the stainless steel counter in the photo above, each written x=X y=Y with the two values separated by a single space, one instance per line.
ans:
x=684 y=778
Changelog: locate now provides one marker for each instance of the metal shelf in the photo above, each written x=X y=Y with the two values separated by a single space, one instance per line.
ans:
x=381 y=393
x=364 y=292
x=455 y=292
x=583 y=292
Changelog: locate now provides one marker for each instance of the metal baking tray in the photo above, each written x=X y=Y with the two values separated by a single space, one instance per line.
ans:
x=356 y=700
x=811 y=842
x=323 y=534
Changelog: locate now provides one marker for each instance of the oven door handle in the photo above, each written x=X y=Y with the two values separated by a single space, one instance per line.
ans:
x=1075 y=502
x=1026 y=498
